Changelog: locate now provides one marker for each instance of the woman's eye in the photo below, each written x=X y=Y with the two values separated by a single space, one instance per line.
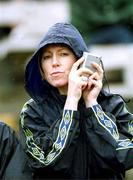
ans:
x=64 y=54
x=46 y=57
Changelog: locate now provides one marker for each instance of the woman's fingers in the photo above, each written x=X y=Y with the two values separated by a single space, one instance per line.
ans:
x=77 y=63
x=98 y=68
x=84 y=72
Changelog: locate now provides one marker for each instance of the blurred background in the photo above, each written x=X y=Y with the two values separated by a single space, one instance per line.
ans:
x=106 y=25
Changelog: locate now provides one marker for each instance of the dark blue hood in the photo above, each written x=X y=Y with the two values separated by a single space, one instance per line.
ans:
x=59 y=33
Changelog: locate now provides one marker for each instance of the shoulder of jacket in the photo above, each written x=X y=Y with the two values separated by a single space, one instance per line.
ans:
x=31 y=107
x=29 y=103
x=110 y=95
x=110 y=101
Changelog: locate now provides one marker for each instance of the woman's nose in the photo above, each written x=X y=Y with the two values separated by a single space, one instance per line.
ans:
x=55 y=60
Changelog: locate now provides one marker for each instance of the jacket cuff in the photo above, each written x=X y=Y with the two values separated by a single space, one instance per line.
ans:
x=71 y=114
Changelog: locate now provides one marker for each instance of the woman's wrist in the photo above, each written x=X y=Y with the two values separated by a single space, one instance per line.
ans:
x=91 y=103
x=71 y=103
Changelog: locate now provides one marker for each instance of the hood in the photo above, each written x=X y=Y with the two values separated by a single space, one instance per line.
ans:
x=59 y=33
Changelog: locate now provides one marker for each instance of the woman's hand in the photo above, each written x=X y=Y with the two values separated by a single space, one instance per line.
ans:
x=76 y=84
x=94 y=86
x=78 y=79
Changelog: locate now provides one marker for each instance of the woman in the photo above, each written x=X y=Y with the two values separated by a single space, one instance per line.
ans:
x=71 y=128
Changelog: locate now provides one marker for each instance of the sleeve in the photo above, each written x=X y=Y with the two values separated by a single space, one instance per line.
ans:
x=111 y=133
x=8 y=144
x=46 y=144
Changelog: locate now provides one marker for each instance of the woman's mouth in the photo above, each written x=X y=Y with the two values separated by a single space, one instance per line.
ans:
x=56 y=73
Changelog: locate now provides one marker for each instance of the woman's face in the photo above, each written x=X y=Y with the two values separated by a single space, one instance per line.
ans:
x=56 y=63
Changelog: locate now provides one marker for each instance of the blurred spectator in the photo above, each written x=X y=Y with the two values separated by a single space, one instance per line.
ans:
x=104 y=21
x=8 y=144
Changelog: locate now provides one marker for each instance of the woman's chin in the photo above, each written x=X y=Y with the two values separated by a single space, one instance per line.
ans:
x=59 y=83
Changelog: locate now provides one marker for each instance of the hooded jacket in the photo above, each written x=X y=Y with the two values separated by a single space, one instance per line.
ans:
x=90 y=143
